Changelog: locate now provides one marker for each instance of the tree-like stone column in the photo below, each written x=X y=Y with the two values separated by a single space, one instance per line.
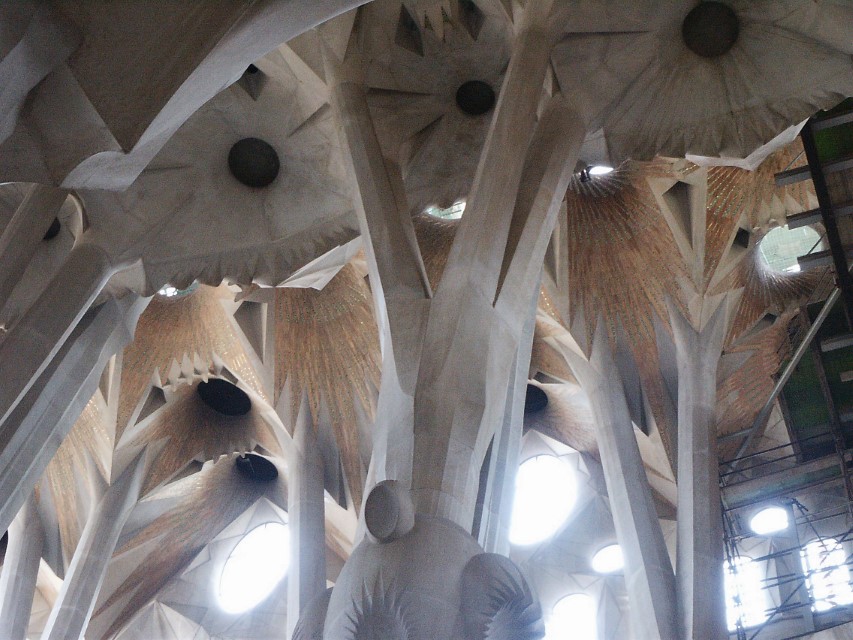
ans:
x=24 y=232
x=37 y=337
x=700 y=556
x=306 y=509
x=20 y=571
x=32 y=433
x=648 y=571
x=73 y=608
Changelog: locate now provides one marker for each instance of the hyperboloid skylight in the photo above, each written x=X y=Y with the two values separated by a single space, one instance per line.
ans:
x=573 y=617
x=453 y=212
x=608 y=559
x=256 y=565
x=768 y=521
x=827 y=574
x=782 y=246
x=545 y=493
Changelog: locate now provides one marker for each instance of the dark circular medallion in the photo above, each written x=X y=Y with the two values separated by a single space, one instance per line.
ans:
x=254 y=467
x=475 y=97
x=224 y=397
x=253 y=162
x=710 y=29
x=53 y=231
x=535 y=400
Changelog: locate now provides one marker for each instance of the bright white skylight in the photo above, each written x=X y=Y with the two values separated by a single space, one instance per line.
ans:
x=827 y=574
x=608 y=559
x=781 y=247
x=746 y=598
x=599 y=170
x=573 y=617
x=769 y=520
x=257 y=564
x=545 y=494
x=453 y=212
x=169 y=291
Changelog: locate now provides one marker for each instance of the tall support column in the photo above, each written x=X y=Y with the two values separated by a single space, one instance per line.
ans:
x=35 y=339
x=20 y=571
x=648 y=570
x=793 y=592
x=699 y=563
x=31 y=435
x=306 y=509
x=24 y=232
x=73 y=608
x=500 y=488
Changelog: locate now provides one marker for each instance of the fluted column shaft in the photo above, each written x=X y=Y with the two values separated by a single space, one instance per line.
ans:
x=307 y=521
x=20 y=571
x=76 y=602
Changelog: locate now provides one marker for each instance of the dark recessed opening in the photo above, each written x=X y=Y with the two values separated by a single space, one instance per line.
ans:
x=54 y=230
x=535 y=400
x=742 y=238
x=224 y=397
x=475 y=97
x=254 y=467
x=252 y=70
x=253 y=162
x=710 y=29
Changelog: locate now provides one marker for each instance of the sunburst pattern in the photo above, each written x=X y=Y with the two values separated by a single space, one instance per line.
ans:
x=194 y=431
x=327 y=346
x=413 y=97
x=171 y=329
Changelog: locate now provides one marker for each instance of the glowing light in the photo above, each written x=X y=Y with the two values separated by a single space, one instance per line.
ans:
x=256 y=565
x=608 y=559
x=781 y=247
x=746 y=599
x=769 y=520
x=173 y=293
x=827 y=574
x=600 y=170
x=453 y=212
x=573 y=617
x=545 y=495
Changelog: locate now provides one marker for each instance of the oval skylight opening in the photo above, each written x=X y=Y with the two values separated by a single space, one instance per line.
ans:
x=545 y=495
x=781 y=247
x=453 y=212
x=600 y=170
x=255 y=567
x=769 y=520
x=608 y=559
x=573 y=617
x=171 y=292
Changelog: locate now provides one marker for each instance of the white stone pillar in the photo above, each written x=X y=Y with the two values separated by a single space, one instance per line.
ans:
x=35 y=339
x=648 y=571
x=700 y=556
x=31 y=435
x=306 y=509
x=506 y=448
x=76 y=602
x=20 y=571
x=24 y=232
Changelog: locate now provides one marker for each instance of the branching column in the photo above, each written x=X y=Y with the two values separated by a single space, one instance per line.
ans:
x=32 y=433
x=35 y=339
x=73 y=608
x=307 y=520
x=20 y=571
x=699 y=567
x=648 y=570
x=24 y=232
